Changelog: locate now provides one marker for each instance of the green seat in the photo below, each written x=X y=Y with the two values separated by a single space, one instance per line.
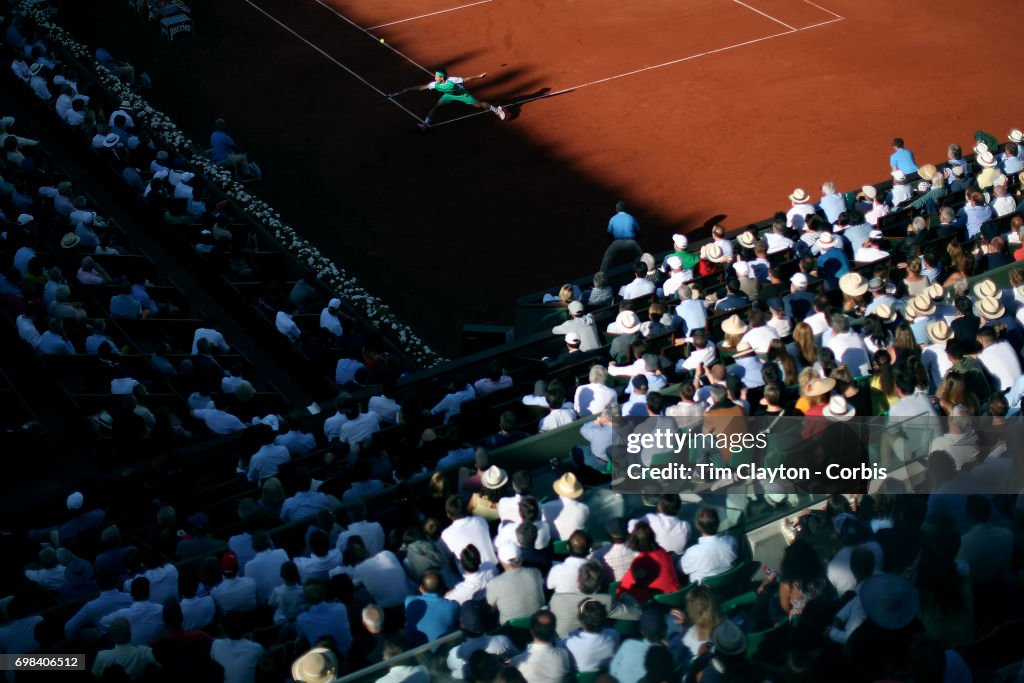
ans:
x=560 y=547
x=754 y=640
x=520 y=622
x=677 y=599
x=587 y=677
x=738 y=601
x=726 y=583
x=613 y=588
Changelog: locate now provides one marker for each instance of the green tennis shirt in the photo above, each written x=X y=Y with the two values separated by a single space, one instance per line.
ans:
x=452 y=86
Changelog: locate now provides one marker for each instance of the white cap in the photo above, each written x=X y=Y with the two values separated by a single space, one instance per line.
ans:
x=799 y=279
x=572 y=339
x=25 y=218
x=509 y=552
x=334 y=303
x=674 y=262
x=75 y=501
x=680 y=241
x=899 y=175
x=875 y=234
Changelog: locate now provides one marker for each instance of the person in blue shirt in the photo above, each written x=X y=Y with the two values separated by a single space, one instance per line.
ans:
x=623 y=226
x=224 y=152
x=832 y=264
x=901 y=158
x=122 y=70
x=428 y=616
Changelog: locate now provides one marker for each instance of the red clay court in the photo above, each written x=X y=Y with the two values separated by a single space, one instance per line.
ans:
x=691 y=111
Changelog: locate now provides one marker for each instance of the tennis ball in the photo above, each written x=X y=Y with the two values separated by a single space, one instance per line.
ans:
x=381 y=41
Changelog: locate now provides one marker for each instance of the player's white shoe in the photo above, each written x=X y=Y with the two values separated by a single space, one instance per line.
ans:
x=500 y=112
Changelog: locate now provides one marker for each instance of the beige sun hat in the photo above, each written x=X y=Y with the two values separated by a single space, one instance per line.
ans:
x=885 y=312
x=986 y=287
x=938 y=332
x=568 y=486
x=799 y=196
x=989 y=308
x=820 y=386
x=734 y=325
x=853 y=284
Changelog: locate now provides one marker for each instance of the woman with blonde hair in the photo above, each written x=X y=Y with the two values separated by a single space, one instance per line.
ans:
x=805 y=351
x=703 y=615
x=883 y=383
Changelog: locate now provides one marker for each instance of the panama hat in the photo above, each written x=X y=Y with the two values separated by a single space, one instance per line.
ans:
x=935 y=291
x=111 y=140
x=839 y=409
x=938 y=332
x=319 y=665
x=747 y=239
x=923 y=304
x=799 y=196
x=734 y=325
x=853 y=284
x=986 y=287
x=713 y=253
x=820 y=386
x=989 y=308
x=627 y=321
x=928 y=171
x=869 y=191
x=890 y=601
x=69 y=241
x=568 y=486
x=986 y=159
x=1016 y=136
x=494 y=477
x=886 y=313
x=827 y=240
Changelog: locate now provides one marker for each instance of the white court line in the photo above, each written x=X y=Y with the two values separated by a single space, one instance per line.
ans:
x=823 y=9
x=352 y=73
x=377 y=38
x=764 y=15
x=636 y=71
x=430 y=14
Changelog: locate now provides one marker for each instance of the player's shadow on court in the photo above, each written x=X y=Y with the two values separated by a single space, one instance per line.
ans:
x=515 y=104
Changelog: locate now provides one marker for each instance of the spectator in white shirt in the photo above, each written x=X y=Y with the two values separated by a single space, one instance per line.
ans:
x=848 y=347
x=385 y=404
x=333 y=424
x=998 y=358
x=465 y=530
x=210 y=333
x=305 y=502
x=759 y=335
x=321 y=560
x=544 y=660
x=640 y=286
x=381 y=574
x=592 y=398
x=285 y=324
x=135 y=660
x=801 y=207
x=713 y=554
x=563 y=576
x=599 y=434
x=330 y=319
x=496 y=380
x=289 y=598
x=266 y=461
x=566 y=514
x=560 y=413
x=265 y=566
x=359 y=427
x=146 y=617
x=593 y=645
x=475 y=575
x=239 y=656
x=672 y=533
x=460 y=391
x=234 y=592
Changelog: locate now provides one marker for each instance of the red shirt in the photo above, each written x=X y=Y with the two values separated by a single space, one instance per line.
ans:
x=649 y=574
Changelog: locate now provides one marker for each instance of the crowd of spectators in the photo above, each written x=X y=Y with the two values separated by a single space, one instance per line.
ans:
x=824 y=316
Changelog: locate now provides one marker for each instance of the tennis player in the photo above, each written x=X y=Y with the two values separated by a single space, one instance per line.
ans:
x=452 y=90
